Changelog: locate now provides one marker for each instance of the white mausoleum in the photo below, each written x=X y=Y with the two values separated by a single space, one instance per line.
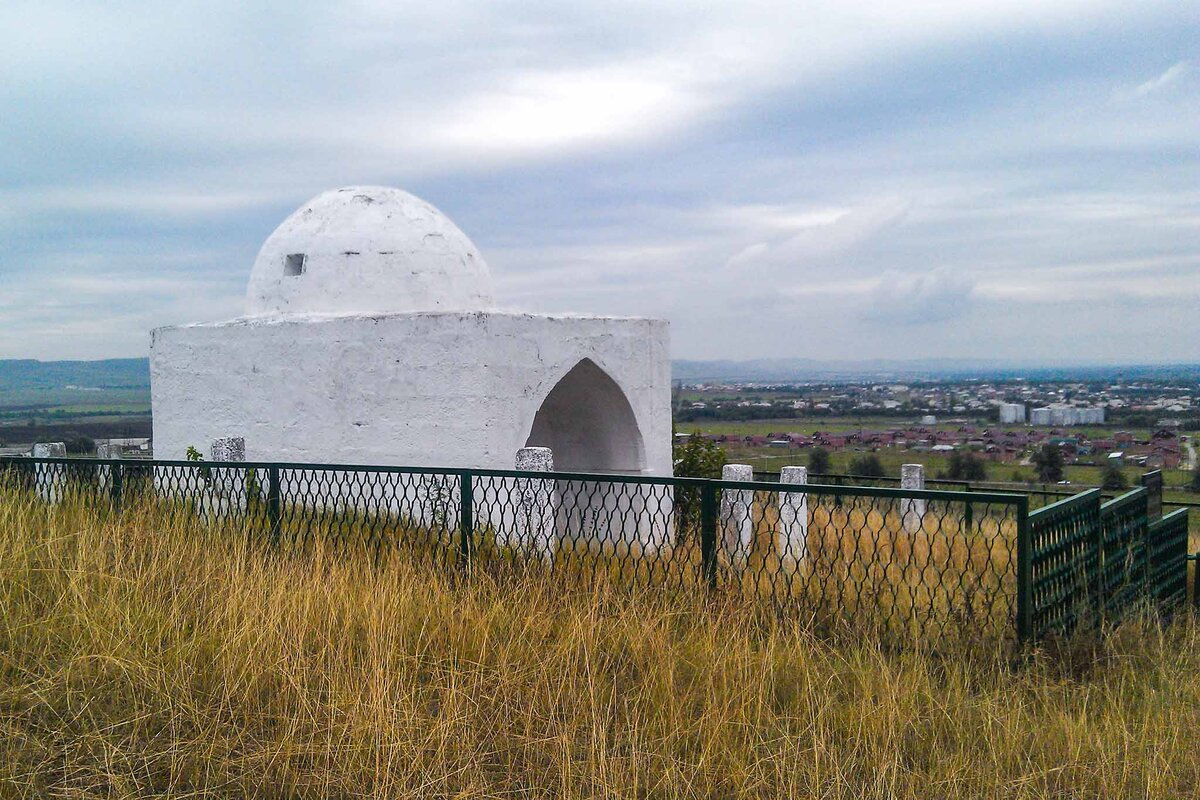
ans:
x=372 y=336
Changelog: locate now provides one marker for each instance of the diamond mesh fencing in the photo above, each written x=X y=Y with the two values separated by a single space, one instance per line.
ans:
x=901 y=564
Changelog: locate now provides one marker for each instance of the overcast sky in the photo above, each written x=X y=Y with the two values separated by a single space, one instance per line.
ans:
x=1015 y=180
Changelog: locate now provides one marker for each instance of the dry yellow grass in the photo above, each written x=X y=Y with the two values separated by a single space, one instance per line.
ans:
x=139 y=658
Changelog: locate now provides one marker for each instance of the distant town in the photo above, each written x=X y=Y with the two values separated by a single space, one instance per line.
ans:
x=1142 y=423
x=1136 y=418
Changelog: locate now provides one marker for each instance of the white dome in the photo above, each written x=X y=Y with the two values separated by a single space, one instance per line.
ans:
x=368 y=249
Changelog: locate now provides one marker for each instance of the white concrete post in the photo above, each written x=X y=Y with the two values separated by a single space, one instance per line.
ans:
x=106 y=451
x=228 y=485
x=49 y=450
x=793 y=516
x=537 y=504
x=912 y=511
x=49 y=477
x=737 y=513
x=228 y=448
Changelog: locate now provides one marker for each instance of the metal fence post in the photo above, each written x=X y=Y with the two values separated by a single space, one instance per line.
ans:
x=1148 y=546
x=466 y=515
x=274 y=517
x=1098 y=543
x=1024 y=572
x=117 y=472
x=708 y=533
x=1153 y=481
x=1195 y=559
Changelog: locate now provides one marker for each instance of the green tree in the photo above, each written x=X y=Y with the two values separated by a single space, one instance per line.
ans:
x=695 y=457
x=868 y=465
x=1048 y=461
x=1113 y=478
x=966 y=467
x=818 y=461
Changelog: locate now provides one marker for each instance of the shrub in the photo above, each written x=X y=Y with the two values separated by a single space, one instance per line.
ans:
x=78 y=444
x=1114 y=477
x=966 y=467
x=818 y=461
x=696 y=457
x=868 y=465
x=1048 y=461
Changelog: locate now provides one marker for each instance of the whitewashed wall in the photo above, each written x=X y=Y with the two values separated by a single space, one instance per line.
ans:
x=424 y=389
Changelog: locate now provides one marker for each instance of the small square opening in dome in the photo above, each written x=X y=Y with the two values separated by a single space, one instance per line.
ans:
x=293 y=264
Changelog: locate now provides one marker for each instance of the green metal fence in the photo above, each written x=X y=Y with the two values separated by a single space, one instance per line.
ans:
x=1124 y=572
x=1090 y=560
x=1061 y=560
x=929 y=564
x=900 y=563
x=1168 y=557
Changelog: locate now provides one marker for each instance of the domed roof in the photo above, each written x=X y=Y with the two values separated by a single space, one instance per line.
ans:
x=368 y=249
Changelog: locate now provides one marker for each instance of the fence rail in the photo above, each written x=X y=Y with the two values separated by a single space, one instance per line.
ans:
x=903 y=563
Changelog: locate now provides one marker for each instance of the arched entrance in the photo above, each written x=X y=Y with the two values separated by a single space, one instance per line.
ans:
x=588 y=423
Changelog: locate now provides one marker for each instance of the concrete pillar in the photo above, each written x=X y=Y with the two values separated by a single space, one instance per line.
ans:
x=106 y=452
x=537 y=504
x=228 y=485
x=793 y=516
x=912 y=511
x=50 y=478
x=227 y=448
x=737 y=513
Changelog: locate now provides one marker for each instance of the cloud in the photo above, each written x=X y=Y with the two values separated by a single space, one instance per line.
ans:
x=931 y=297
x=770 y=176
x=1162 y=82
x=820 y=238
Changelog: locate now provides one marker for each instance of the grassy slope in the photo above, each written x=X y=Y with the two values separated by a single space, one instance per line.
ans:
x=139 y=659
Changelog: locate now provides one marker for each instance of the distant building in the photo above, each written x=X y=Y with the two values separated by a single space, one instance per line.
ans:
x=929 y=419
x=1059 y=415
x=1012 y=414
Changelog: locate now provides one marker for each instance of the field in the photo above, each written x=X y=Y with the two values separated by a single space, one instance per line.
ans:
x=143 y=658
x=772 y=459
x=52 y=401
x=766 y=458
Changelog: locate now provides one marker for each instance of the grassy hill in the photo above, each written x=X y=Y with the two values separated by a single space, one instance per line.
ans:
x=112 y=373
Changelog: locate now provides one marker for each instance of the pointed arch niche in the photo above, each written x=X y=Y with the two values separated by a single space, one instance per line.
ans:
x=588 y=423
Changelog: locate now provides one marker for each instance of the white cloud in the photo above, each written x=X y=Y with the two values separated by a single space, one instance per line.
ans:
x=1161 y=82
x=921 y=299
x=761 y=173
x=826 y=237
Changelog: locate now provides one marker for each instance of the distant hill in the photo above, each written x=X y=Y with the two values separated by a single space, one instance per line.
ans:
x=24 y=375
x=805 y=369
x=113 y=373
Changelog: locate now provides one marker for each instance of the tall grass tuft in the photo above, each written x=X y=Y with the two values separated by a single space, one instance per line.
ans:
x=142 y=657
